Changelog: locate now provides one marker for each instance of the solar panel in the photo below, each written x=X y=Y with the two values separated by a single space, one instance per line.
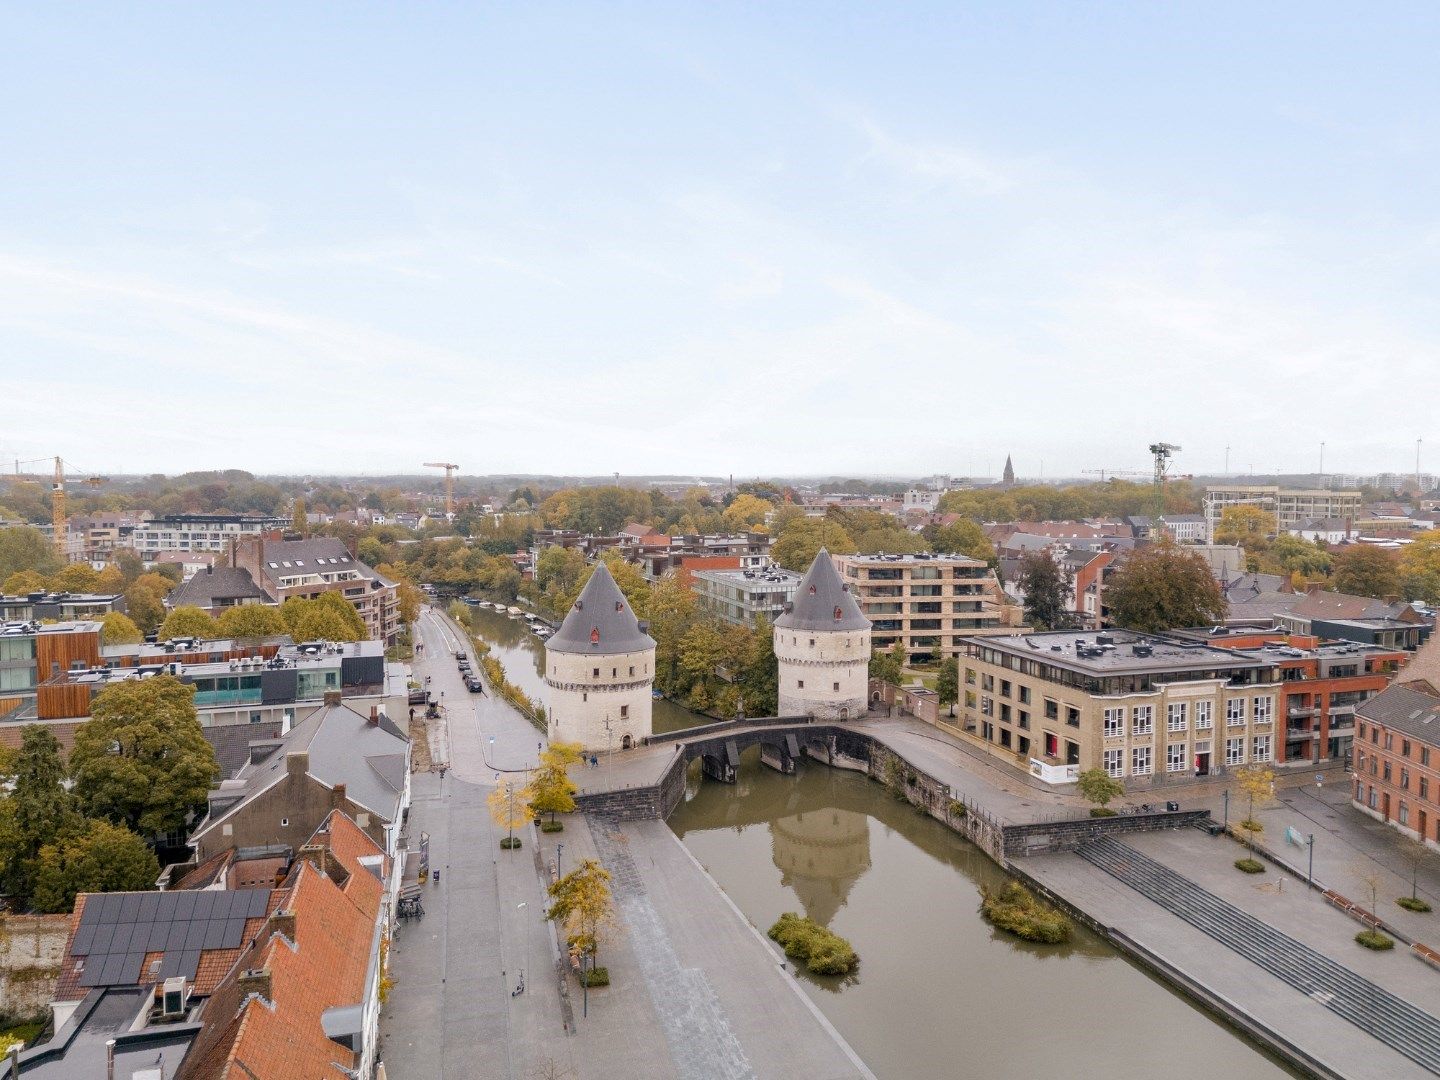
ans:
x=130 y=965
x=149 y=907
x=114 y=965
x=221 y=908
x=103 y=934
x=83 y=936
x=189 y=963
x=159 y=934
x=204 y=904
x=214 y=935
x=129 y=908
x=169 y=965
x=234 y=933
x=195 y=938
x=184 y=905
x=175 y=940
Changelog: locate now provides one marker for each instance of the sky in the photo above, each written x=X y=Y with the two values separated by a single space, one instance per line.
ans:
x=747 y=238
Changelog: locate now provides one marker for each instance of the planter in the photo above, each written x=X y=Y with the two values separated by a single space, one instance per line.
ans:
x=1250 y=866
x=1373 y=939
x=552 y=826
x=509 y=843
x=1413 y=903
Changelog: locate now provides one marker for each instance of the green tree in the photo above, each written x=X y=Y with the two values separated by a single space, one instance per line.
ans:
x=98 y=857
x=760 y=677
x=1099 y=787
x=581 y=900
x=37 y=810
x=887 y=665
x=142 y=759
x=145 y=606
x=627 y=576
x=1420 y=568
x=1046 y=585
x=1365 y=570
x=370 y=551
x=298 y=521
x=551 y=790
x=24 y=548
x=187 y=621
x=1163 y=587
x=1251 y=527
x=117 y=628
x=1290 y=555
x=130 y=565
x=801 y=538
x=947 y=682
x=673 y=611
x=250 y=621
x=964 y=537
x=329 y=617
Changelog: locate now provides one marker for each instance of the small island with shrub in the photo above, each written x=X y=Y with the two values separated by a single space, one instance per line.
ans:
x=1015 y=909
x=823 y=951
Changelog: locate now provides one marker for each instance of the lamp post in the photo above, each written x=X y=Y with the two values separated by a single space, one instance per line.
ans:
x=1227 y=808
x=559 y=853
x=1310 y=872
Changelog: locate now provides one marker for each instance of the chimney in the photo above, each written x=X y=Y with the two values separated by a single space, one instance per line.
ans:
x=1313 y=587
x=255 y=981
x=297 y=762
x=283 y=922
x=209 y=568
x=374 y=716
x=323 y=859
x=337 y=796
x=332 y=697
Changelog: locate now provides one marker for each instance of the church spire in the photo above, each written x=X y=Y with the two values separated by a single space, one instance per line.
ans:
x=1008 y=477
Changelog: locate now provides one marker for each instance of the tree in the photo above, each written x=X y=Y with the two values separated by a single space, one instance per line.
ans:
x=1099 y=787
x=100 y=857
x=1257 y=784
x=1420 y=567
x=37 y=810
x=24 y=548
x=142 y=759
x=760 y=677
x=110 y=581
x=1163 y=587
x=627 y=576
x=161 y=583
x=411 y=601
x=1365 y=570
x=188 y=622
x=1251 y=527
x=298 y=522
x=581 y=900
x=551 y=790
x=1291 y=554
x=329 y=617
x=77 y=577
x=145 y=606
x=1046 y=585
x=672 y=613
x=117 y=628
x=250 y=621
x=887 y=665
x=747 y=511
x=947 y=682
x=1372 y=879
x=801 y=538
x=23 y=582
x=1415 y=853
x=510 y=810
x=963 y=537
x=130 y=565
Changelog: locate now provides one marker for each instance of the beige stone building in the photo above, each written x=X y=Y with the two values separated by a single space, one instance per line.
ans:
x=934 y=604
x=1148 y=710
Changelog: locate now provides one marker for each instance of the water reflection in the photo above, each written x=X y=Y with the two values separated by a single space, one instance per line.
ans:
x=939 y=993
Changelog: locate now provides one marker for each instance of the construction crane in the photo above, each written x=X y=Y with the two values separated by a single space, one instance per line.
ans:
x=1111 y=474
x=1161 y=452
x=58 y=517
x=449 y=485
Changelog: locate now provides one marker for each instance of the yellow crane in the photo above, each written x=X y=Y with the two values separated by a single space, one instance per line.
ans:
x=449 y=484
x=58 y=518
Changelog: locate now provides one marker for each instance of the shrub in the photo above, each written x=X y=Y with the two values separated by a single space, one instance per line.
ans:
x=1251 y=825
x=1374 y=939
x=599 y=976
x=1101 y=811
x=957 y=808
x=1015 y=909
x=509 y=843
x=824 y=952
x=552 y=826
x=1249 y=865
x=1413 y=903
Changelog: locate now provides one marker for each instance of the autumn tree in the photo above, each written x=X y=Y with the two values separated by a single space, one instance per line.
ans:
x=1420 y=568
x=1366 y=570
x=142 y=760
x=76 y=577
x=1257 y=784
x=801 y=539
x=24 y=548
x=251 y=621
x=581 y=901
x=145 y=606
x=510 y=810
x=747 y=512
x=298 y=521
x=188 y=622
x=110 y=581
x=1290 y=555
x=23 y=582
x=551 y=790
x=117 y=628
x=1251 y=527
x=963 y=537
x=627 y=576
x=1163 y=587
x=96 y=857
x=1046 y=585
x=329 y=617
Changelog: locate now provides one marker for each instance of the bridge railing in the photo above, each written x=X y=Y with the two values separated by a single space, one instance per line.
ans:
x=721 y=726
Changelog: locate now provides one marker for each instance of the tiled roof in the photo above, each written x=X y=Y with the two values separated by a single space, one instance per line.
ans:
x=601 y=622
x=1334 y=605
x=207 y=587
x=822 y=602
x=326 y=967
x=1406 y=708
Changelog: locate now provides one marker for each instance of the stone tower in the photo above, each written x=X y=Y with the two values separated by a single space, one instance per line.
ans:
x=600 y=667
x=822 y=648
x=1008 y=477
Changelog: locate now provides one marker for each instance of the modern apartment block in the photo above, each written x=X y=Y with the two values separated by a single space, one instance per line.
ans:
x=1292 y=507
x=1397 y=759
x=200 y=532
x=740 y=596
x=933 y=604
x=1146 y=709
x=306 y=568
x=62 y=607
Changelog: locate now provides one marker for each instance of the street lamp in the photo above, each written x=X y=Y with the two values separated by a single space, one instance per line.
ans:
x=1310 y=873
x=559 y=853
x=1227 y=808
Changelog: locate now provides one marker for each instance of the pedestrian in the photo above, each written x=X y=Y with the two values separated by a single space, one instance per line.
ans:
x=412 y=716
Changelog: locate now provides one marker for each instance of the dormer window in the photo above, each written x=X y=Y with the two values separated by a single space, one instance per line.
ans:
x=595 y=635
x=838 y=613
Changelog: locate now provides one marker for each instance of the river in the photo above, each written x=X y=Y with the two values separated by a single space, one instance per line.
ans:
x=939 y=993
x=523 y=655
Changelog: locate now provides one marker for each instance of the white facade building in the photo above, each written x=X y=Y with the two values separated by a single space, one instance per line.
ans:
x=822 y=648
x=600 y=667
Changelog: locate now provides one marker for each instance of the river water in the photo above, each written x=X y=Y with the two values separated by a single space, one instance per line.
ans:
x=939 y=993
x=523 y=655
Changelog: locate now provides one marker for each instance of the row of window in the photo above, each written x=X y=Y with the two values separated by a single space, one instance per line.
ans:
x=1177 y=758
x=1381 y=767
x=1374 y=733
x=1177 y=716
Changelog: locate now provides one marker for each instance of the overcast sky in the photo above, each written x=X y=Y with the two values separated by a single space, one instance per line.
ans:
x=748 y=238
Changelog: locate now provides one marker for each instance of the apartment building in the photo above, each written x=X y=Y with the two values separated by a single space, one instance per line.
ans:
x=61 y=607
x=932 y=604
x=1186 y=528
x=741 y=596
x=307 y=568
x=1148 y=710
x=200 y=532
x=1292 y=507
x=1397 y=759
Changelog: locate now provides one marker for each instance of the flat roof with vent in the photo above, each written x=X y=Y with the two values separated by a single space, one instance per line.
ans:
x=1119 y=652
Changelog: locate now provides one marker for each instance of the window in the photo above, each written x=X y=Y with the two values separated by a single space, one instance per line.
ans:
x=284 y=822
x=1004 y=713
x=1404 y=814
x=969 y=676
x=1262 y=707
x=1404 y=747
x=1360 y=761
x=1176 y=716
x=1424 y=788
x=1405 y=778
x=1175 y=757
x=1114 y=722
x=1004 y=687
x=1144 y=720
x=987 y=705
x=1024 y=720
x=1052 y=744
x=1235 y=751
x=595 y=674
x=1140 y=761
x=1260 y=751
x=799 y=684
x=1389 y=741
x=1202 y=714
x=836 y=687
x=1235 y=712
x=1024 y=695
x=1424 y=755
x=1072 y=716
x=624 y=712
x=1385 y=772
x=1371 y=800
x=1115 y=762
x=632 y=669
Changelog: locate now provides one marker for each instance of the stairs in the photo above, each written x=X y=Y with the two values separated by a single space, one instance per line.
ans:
x=1378 y=1012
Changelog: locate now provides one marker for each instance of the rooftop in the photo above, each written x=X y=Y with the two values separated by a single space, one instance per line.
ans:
x=1119 y=652
x=822 y=601
x=775 y=576
x=913 y=560
x=601 y=621
x=1405 y=708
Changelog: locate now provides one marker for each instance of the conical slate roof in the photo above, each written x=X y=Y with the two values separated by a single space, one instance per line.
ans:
x=600 y=622
x=822 y=602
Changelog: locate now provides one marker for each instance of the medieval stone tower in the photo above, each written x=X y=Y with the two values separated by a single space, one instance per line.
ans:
x=600 y=667
x=822 y=648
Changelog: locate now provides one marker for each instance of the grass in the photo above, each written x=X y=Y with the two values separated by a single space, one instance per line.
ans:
x=1413 y=903
x=24 y=1033
x=1015 y=909
x=1101 y=811
x=509 y=843
x=599 y=976
x=552 y=826
x=1249 y=865
x=824 y=952
x=1374 y=939
x=1251 y=825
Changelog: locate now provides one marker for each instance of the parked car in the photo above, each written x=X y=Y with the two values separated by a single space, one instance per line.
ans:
x=474 y=685
x=419 y=696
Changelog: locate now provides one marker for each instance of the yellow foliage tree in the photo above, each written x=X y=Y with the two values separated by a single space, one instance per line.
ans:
x=551 y=791
x=510 y=810
x=1257 y=783
x=582 y=900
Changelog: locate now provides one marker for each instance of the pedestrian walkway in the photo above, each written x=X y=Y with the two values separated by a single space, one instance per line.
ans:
x=1412 y=1032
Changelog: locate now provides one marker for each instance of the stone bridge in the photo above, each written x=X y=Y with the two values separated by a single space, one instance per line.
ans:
x=782 y=741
